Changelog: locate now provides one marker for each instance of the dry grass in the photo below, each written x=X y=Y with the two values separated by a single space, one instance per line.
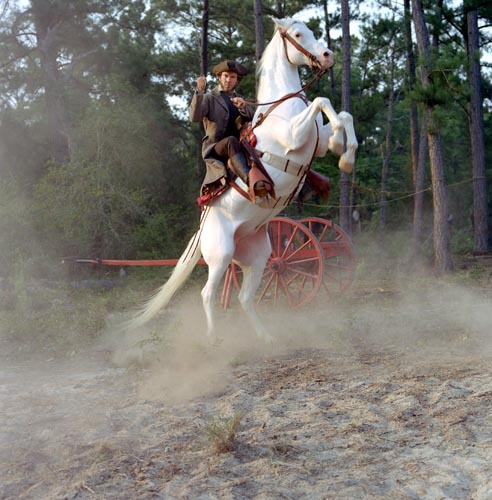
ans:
x=221 y=433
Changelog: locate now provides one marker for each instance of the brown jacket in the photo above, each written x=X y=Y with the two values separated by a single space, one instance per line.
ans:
x=211 y=108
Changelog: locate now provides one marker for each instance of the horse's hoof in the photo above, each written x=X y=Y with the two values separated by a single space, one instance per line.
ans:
x=336 y=148
x=345 y=166
x=268 y=340
x=215 y=341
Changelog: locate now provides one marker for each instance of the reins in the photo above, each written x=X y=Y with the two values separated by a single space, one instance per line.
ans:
x=317 y=76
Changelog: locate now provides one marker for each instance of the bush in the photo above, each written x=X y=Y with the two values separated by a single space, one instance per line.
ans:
x=16 y=233
x=221 y=433
x=461 y=242
x=84 y=210
x=164 y=235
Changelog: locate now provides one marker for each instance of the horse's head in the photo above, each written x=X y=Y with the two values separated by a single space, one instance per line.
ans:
x=300 y=45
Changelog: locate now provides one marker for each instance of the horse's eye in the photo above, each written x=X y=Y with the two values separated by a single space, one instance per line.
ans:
x=297 y=35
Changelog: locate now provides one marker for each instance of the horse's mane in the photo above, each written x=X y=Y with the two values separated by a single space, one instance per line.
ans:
x=272 y=47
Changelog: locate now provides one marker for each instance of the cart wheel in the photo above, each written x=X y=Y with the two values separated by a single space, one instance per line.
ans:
x=294 y=271
x=339 y=255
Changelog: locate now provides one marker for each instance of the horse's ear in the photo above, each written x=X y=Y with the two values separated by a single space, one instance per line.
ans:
x=278 y=22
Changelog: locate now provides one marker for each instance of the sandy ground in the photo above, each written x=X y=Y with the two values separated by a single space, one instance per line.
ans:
x=385 y=396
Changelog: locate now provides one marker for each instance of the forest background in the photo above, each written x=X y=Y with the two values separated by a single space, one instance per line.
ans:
x=98 y=159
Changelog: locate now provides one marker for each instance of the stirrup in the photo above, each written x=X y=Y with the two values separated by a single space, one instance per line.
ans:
x=260 y=189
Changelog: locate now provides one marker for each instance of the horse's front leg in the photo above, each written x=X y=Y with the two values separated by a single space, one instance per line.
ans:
x=301 y=125
x=330 y=140
x=347 y=160
x=252 y=276
x=336 y=141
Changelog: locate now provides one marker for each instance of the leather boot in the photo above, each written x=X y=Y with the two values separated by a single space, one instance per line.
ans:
x=240 y=166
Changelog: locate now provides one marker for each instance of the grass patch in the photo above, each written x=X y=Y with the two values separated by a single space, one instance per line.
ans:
x=221 y=433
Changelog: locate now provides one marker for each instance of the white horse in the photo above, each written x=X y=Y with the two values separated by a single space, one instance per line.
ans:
x=292 y=134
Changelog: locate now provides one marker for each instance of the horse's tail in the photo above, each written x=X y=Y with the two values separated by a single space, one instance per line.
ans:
x=164 y=294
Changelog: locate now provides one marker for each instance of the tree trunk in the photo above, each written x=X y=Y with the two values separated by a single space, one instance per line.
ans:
x=204 y=39
x=411 y=80
x=442 y=243
x=418 y=146
x=47 y=27
x=199 y=166
x=345 y=182
x=280 y=8
x=388 y=147
x=259 y=35
x=442 y=246
x=418 y=208
x=480 y=219
x=331 y=74
x=436 y=36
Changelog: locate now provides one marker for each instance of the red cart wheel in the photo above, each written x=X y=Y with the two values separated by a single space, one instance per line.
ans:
x=339 y=255
x=294 y=271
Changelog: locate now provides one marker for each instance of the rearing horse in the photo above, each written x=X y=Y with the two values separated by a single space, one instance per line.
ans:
x=290 y=133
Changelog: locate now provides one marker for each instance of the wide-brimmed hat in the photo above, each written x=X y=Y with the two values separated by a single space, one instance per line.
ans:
x=230 y=66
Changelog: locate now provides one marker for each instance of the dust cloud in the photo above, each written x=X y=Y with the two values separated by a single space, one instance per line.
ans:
x=428 y=322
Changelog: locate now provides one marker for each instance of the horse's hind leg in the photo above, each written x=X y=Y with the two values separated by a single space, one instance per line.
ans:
x=252 y=255
x=251 y=281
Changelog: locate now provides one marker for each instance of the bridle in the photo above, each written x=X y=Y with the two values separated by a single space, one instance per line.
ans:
x=314 y=63
x=288 y=38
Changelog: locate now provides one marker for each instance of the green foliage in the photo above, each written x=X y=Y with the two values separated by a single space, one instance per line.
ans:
x=163 y=234
x=461 y=242
x=447 y=73
x=22 y=148
x=88 y=211
x=17 y=242
x=125 y=135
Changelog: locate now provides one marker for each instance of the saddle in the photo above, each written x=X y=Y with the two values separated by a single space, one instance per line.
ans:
x=260 y=183
x=212 y=193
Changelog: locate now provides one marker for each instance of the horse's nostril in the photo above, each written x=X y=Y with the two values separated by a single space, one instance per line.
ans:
x=326 y=54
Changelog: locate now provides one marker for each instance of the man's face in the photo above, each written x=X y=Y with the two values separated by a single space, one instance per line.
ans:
x=228 y=80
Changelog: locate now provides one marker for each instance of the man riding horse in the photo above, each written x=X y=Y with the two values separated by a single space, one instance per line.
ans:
x=223 y=112
x=232 y=228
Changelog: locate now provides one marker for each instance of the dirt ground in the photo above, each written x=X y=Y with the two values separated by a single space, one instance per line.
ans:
x=385 y=394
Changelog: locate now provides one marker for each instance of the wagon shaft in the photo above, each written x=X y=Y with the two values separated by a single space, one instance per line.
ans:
x=306 y=255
